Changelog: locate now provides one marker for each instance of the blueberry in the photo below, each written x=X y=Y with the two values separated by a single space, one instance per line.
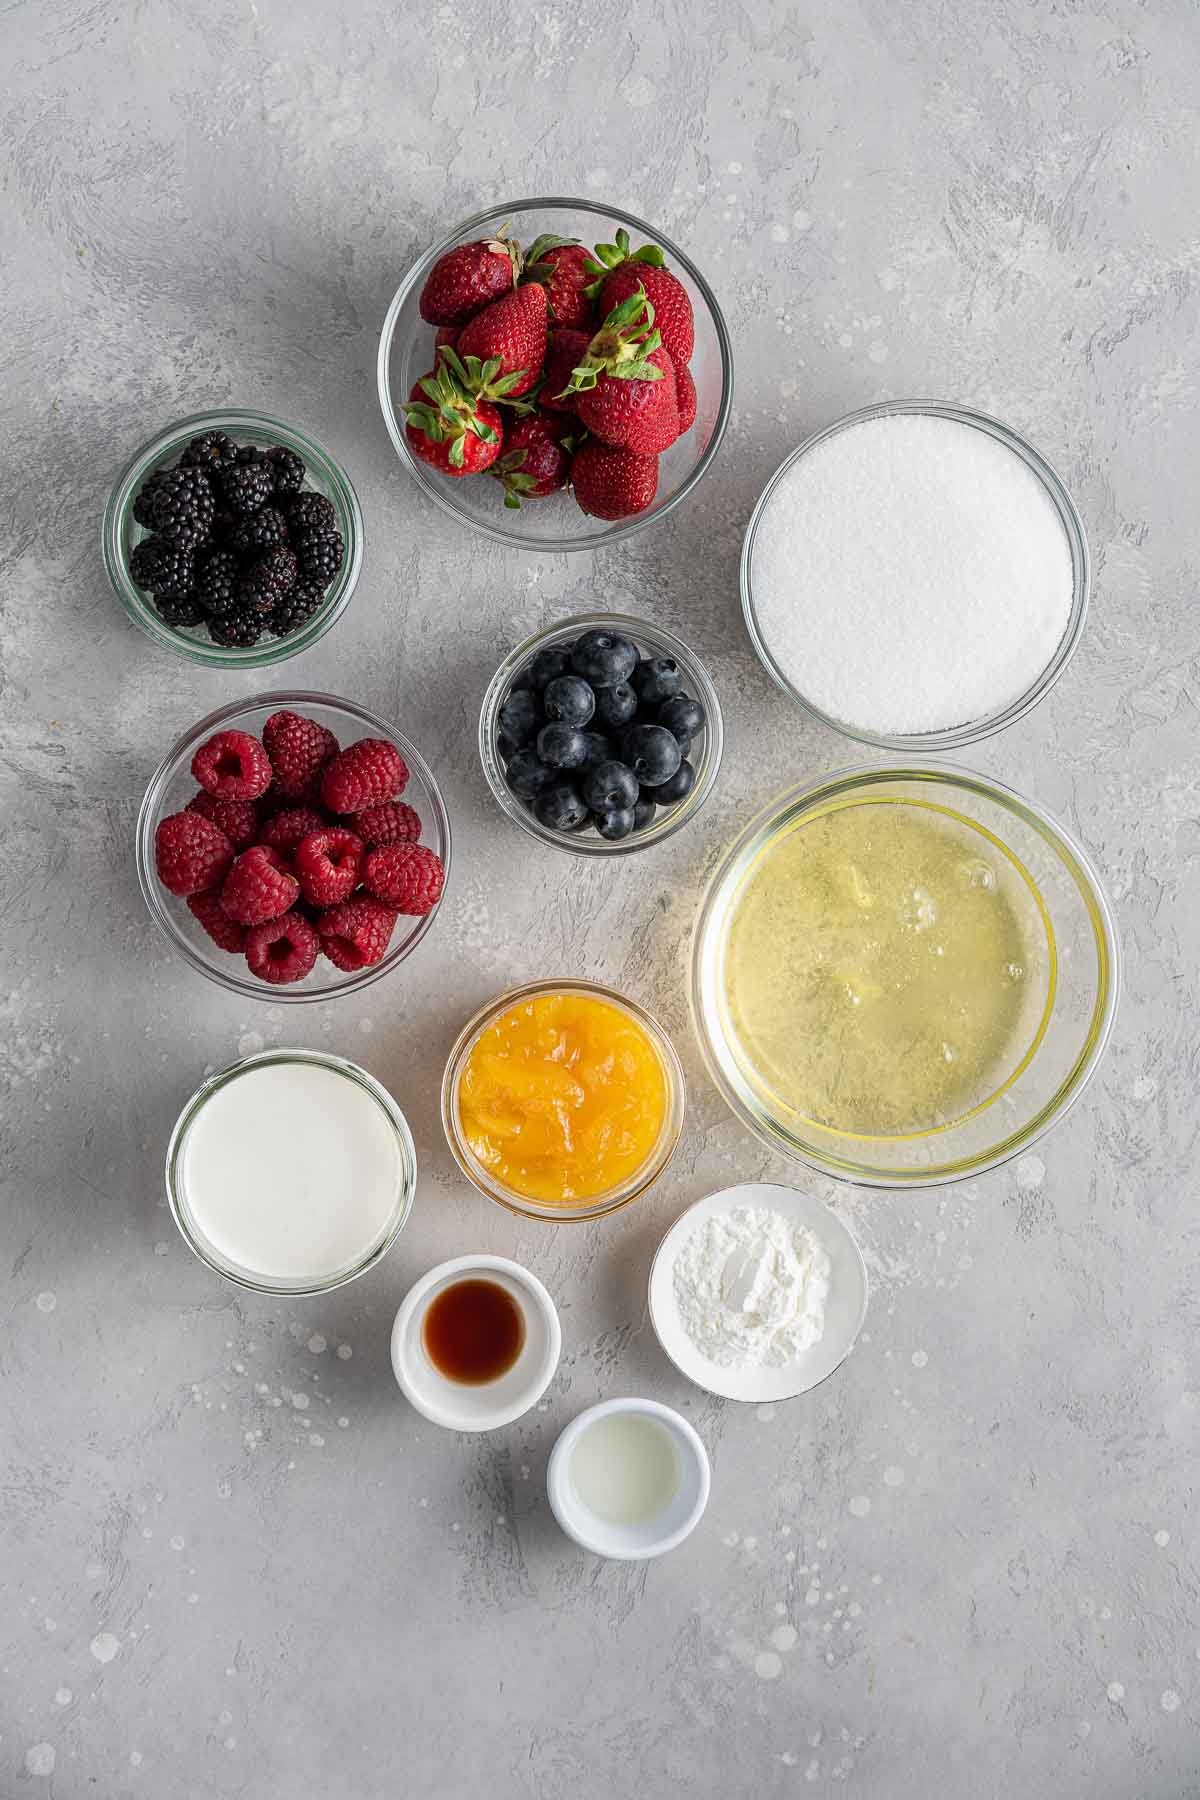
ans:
x=527 y=774
x=677 y=786
x=569 y=698
x=599 y=749
x=604 y=659
x=615 y=706
x=546 y=666
x=643 y=813
x=611 y=786
x=519 y=719
x=682 y=716
x=561 y=745
x=560 y=807
x=656 y=679
x=651 y=752
x=617 y=824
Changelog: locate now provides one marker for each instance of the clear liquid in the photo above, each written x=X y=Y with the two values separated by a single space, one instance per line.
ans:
x=625 y=1468
x=885 y=968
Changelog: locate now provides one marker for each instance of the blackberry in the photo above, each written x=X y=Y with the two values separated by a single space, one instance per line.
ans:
x=307 y=511
x=180 y=506
x=266 y=582
x=295 y=609
x=177 y=610
x=287 y=470
x=241 y=627
x=320 y=555
x=217 y=579
x=246 y=487
x=166 y=569
x=212 y=451
x=142 y=506
x=249 y=453
x=264 y=530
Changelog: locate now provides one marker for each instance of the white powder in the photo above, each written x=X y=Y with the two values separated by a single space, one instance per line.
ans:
x=751 y=1288
x=911 y=573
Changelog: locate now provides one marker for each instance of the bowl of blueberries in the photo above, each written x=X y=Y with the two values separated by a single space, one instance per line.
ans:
x=601 y=735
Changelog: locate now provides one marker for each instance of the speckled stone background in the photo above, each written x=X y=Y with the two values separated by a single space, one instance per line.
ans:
x=234 y=1564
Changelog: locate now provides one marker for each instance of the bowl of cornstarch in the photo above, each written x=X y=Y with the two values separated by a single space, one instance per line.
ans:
x=758 y=1292
x=915 y=575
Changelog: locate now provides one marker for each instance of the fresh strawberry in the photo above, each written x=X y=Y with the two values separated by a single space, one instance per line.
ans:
x=625 y=385
x=565 y=349
x=534 y=461
x=565 y=269
x=685 y=395
x=467 y=278
x=665 y=292
x=513 y=329
x=446 y=336
x=613 y=484
x=448 y=426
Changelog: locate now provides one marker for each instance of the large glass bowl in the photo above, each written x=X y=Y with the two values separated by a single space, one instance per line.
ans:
x=704 y=755
x=970 y=731
x=171 y=787
x=1063 y=1034
x=120 y=532
x=406 y=349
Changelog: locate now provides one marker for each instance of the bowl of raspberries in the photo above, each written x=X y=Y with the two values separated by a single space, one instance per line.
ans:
x=555 y=373
x=601 y=735
x=293 y=846
x=233 y=538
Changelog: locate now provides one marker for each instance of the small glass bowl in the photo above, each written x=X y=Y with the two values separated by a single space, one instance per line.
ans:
x=972 y=730
x=171 y=787
x=705 y=754
x=614 y=1198
x=120 y=532
x=556 y=523
x=1065 y=1031
x=193 y=1234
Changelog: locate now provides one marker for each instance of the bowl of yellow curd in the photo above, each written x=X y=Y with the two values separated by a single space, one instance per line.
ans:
x=562 y=1100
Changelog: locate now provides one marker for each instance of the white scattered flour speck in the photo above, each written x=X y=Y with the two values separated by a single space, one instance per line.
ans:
x=784 y=1637
x=860 y=1506
x=919 y=1359
x=300 y=1401
x=1170 y=1701
x=40 y=1759
x=317 y=1344
x=1162 y=1539
x=767 y=1666
x=63 y=1696
x=344 y=1352
x=104 y=1646
x=1115 y=1691
x=250 y=1043
x=46 y=1302
x=751 y=1288
x=893 y=1477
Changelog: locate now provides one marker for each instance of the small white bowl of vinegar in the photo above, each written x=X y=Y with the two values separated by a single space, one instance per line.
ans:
x=628 y=1479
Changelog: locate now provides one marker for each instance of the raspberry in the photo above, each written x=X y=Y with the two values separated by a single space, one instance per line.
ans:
x=298 y=748
x=406 y=876
x=238 y=819
x=258 y=887
x=368 y=771
x=225 y=932
x=392 y=822
x=288 y=828
x=355 y=934
x=233 y=765
x=282 y=950
x=326 y=865
x=190 y=854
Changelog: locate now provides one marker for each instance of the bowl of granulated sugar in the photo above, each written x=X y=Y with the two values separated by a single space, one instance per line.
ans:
x=915 y=575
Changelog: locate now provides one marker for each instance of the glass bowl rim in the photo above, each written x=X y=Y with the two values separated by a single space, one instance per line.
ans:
x=802 y=797
x=637 y=1183
x=138 y=607
x=617 y=529
x=341 y=1065
x=956 y=736
x=147 y=821
x=660 y=829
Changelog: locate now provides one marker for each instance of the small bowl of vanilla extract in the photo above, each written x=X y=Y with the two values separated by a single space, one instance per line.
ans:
x=475 y=1343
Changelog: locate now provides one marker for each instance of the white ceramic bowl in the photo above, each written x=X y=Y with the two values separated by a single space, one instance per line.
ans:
x=649 y=1537
x=457 y=1405
x=845 y=1309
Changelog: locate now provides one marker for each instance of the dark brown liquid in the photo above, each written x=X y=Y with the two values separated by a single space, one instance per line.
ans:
x=474 y=1332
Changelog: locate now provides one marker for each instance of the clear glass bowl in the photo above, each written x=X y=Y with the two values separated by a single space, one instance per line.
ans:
x=1069 y=1024
x=556 y=523
x=120 y=532
x=171 y=787
x=193 y=1233
x=615 y=1197
x=705 y=754
x=972 y=730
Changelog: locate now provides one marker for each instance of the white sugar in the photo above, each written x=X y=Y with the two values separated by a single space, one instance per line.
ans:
x=910 y=573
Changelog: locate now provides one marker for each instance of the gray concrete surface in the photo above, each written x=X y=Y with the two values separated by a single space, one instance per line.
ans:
x=968 y=1565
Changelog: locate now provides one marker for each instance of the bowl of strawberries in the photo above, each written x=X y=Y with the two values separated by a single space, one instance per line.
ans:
x=555 y=374
x=293 y=846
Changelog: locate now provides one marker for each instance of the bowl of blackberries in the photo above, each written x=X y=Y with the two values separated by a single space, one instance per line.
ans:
x=233 y=538
x=601 y=735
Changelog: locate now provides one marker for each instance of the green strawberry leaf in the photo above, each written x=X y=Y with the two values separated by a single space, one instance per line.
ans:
x=650 y=254
x=541 y=245
x=457 y=452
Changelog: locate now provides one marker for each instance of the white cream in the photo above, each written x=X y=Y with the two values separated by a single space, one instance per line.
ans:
x=291 y=1173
